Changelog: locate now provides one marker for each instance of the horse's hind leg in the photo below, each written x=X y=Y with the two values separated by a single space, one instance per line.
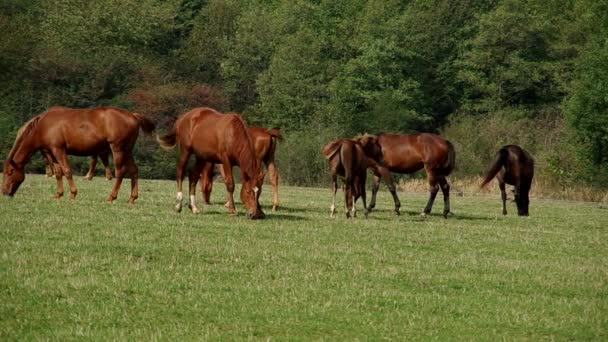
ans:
x=503 y=196
x=184 y=155
x=207 y=182
x=131 y=168
x=274 y=181
x=445 y=188
x=58 y=176
x=120 y=160
x=195 y=174
x=334 y=189
x=229 y=181
x=92 y=166
x=434 y=188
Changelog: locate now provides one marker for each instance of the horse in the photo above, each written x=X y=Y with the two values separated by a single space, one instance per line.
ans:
x=348 y=160
x=214 y=137
x=264 y=143
x=81 y=132
x=408 y=153
x=48 y=161
x=514 y=166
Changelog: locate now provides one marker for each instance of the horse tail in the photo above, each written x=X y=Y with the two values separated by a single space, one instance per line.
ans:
x=451 y=160
x=275 y=133
x=500 y=161
x=331 y=148
x=145 y=123
x=169 y=140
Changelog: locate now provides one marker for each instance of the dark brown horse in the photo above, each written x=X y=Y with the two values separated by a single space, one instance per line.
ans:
x=348 y=160
x=50 y=168
x=515 y=166
x=265 y=144
x=82 y=132
x=213 y=138
x=408 y=153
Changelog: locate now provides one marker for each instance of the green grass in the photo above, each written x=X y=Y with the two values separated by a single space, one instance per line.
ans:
x=85 y=269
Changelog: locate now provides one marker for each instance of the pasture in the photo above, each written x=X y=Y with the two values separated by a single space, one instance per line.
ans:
x=72 y=269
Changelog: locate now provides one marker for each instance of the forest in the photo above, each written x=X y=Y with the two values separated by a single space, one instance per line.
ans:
x=482 y=73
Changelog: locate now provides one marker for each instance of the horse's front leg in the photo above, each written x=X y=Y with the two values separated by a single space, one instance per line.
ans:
x=433 y=189
x=59 y=177
x=195 y=174
x=229 y=181
x=62 y=159
x=207 y=182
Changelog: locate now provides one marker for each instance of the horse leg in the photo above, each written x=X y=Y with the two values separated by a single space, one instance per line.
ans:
x=92 y=166
x=120 y=160
x=434 y=188
x=274 y=181
x=228 y=196
x=445 y=188
x=207 y=181
x=184 y=155
x=59 y=178
x=229 y=181
x=106 y=165
x=132 y=170
x=334 y=189
x=375 y=188
x=503 y=196
x=193 y=177
x=363 y=194
x=62 y=159
x=348 y=197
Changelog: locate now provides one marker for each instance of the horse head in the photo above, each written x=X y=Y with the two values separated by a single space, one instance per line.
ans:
x=370 y=145
x=250 y=195
x=13 y=176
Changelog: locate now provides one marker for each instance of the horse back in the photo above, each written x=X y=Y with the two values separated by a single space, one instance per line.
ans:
x=87 y=129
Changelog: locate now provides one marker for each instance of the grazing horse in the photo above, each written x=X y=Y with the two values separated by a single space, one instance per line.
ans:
x=82 y=132
x=408 y=153
x=515 y=166
x=348 y=160
x=265 y=144
x=214 y=137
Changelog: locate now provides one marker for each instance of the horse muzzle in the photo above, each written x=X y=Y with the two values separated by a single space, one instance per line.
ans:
x=257 y=215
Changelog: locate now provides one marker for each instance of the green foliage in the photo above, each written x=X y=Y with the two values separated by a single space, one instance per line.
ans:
x=338 y=66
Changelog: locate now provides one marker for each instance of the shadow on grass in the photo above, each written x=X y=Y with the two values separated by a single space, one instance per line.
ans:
x=274 y=216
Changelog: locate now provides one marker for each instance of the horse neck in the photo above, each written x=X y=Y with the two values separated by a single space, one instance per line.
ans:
x=25 y=145
x=245 y=152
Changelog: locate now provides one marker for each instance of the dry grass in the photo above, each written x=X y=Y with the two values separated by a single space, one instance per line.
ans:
x=540 y=189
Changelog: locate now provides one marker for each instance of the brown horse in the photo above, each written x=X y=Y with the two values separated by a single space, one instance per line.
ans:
x=408 y=153
x=514 y=166
x=82 y=132
x=214 y=137
x=348 y=160
x=50 y=168
x=265 y=144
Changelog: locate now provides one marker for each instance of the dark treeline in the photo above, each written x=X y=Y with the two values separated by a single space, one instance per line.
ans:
x=481 y=72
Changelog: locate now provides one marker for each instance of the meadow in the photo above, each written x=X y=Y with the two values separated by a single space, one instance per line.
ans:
x=85 y=269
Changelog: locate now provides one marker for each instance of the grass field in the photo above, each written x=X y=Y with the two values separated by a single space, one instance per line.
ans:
x=85 y=269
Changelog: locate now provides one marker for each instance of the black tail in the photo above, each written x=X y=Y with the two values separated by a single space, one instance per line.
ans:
x=500 y=161
x=451 y=161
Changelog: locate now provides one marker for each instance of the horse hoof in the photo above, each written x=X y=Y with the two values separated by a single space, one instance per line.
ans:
x=275 y=208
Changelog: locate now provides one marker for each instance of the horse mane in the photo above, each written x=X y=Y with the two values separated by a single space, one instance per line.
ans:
x=243 y=148
x=25 y=130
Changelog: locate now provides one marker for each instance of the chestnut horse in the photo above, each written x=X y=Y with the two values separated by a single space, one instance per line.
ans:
x=265 y=144
x=214 y=137
x=408 y=153
x=82 y=132
x=347 y=160
x=514 y=166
